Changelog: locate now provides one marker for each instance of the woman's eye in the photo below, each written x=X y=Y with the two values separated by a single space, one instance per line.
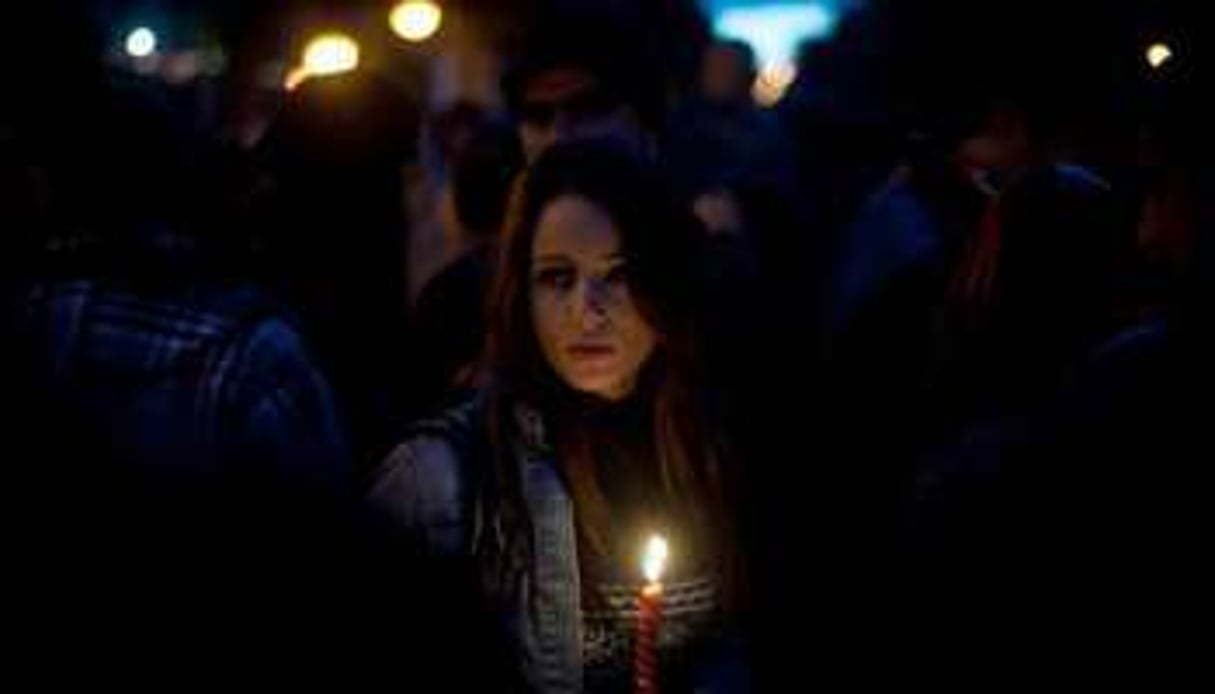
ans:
x=556 y=278
x=618 y=275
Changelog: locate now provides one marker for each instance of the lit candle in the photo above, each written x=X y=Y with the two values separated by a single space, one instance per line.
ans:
x=649 y=616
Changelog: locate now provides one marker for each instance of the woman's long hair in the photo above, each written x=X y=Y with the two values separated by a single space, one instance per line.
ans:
x=659 y=245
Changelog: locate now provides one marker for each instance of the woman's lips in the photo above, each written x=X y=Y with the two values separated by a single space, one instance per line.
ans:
x=591 y=352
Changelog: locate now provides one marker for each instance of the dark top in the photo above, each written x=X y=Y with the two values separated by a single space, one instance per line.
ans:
x=627 y=473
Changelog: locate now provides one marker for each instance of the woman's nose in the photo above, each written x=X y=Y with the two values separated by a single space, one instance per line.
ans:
x=593 y=302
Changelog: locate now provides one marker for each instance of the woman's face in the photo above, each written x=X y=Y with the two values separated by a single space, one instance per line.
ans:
x=588 y=328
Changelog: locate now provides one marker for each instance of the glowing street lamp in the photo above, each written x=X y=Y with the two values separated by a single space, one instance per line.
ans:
x=415 y=20
x=141 y=43
x=1158 y=54
x=327 y=54
x=331 y=54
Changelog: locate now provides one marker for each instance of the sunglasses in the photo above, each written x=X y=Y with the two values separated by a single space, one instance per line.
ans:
x=581 y=107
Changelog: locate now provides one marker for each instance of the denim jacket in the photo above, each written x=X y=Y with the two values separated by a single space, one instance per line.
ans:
x=423 y=488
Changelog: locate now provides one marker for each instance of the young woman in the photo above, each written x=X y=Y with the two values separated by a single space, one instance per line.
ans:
x=591 y=437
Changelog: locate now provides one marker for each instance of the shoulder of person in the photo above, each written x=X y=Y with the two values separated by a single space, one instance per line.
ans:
x=424 y=485
x=263 y=350
x=145 y=329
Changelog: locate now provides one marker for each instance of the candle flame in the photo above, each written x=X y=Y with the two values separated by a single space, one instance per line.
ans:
x=654 y=561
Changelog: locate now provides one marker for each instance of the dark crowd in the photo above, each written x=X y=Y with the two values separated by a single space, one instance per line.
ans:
x=910 y=367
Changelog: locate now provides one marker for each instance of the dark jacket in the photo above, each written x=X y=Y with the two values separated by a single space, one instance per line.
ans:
x=204 y=393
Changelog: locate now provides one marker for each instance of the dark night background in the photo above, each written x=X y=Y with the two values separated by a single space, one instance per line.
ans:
x=943 y=485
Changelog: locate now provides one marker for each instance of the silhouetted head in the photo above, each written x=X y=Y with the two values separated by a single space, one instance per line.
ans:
x=727 y=72
x=579 y=76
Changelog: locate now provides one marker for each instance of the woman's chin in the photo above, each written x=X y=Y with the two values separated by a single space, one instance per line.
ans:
x=600 y=385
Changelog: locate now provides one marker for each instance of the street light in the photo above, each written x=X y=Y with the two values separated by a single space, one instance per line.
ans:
x=328 y=54
x=1158 y=54
x=331 y=54
x=141 y=43
x=415 y=20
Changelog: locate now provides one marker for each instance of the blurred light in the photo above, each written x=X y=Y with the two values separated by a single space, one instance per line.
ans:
x=295 y=77
x=772 y=83
x=774 y=31
x=330 y=54
x=415 y=20
x=654 y=558
x=1158 y=54
x=141 y=43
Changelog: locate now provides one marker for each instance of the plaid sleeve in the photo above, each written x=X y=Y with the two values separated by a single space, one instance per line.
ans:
x=285 y=411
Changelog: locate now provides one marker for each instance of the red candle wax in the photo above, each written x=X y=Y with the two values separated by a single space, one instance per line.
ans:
x=649 y=619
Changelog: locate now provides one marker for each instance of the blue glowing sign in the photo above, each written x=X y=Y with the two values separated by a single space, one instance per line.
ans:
x=773 y=29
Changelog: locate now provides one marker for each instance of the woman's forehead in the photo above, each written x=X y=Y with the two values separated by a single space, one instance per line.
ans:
x=574 y=226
